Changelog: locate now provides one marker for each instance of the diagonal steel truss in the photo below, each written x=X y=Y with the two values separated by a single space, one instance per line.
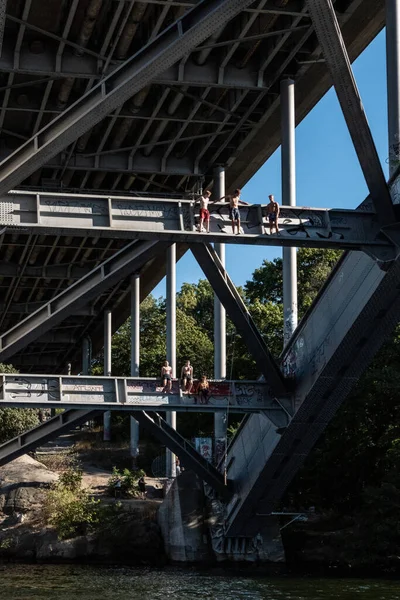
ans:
x=334 y=50
x=228 y=295
x=128 y=260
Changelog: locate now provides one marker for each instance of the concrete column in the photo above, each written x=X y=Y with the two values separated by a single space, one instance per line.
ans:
x=220 y=423
x=393 y=81
x=171 y=342
x=135 y=356
x=107 y=370
x=289 y=199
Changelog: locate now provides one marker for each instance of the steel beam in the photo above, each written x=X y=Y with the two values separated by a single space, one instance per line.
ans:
x=32 y=439
x=171 y=343
x=166 y=49
x=134 y=394
x=189 y=457
x=330 y=38
x=393 y=82
x=289 y=255
x=86 y=67
x=220 y=420
x=70 y=271
x=30 y=307
x=172 y=220
x=135 y=356
x=119 y=266
x=238 y=313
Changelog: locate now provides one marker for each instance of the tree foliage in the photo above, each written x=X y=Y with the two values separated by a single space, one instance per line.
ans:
x=14 y=421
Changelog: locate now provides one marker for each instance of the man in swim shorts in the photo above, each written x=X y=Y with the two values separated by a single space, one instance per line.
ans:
x=166 y=376
x=187 y=376
x=204 y=212
x=273 y=214
x=234 y=214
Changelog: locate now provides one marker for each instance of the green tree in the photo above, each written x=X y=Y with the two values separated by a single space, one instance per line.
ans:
x=14 y=421
x=314 y=266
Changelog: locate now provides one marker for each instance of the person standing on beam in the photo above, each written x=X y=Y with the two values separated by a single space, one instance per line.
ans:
x=273 y=211
x=166 y=376
x=234 y=214
x=204 y=201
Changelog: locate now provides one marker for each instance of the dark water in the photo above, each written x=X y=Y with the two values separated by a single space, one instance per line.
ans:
x=103 y=583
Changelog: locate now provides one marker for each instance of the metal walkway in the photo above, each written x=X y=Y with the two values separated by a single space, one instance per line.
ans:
x=170 y=220
x=134 y=394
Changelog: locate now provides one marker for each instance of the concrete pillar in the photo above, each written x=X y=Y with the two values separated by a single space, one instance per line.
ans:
x=393 y=81
x=289 y=199
x=171 y=342
x=135 y=356
x=220 y=422
x=107 y=370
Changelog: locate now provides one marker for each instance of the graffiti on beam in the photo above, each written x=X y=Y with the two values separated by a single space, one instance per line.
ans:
x=74 y=206
x=147 y=210
x=21 y=388
x=302 y=223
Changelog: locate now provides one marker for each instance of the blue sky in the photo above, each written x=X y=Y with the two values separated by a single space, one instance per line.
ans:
x=328 y=173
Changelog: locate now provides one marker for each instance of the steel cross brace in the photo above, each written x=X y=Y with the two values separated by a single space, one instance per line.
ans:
x=189 y=457
x=157 y=56
x=237 y=311
x=128 y=260
x=334 y=50
x=28 y=441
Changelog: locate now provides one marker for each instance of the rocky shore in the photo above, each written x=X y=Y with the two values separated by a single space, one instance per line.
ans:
x=135 y=537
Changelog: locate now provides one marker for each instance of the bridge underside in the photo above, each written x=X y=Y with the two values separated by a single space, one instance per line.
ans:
x=121 y=128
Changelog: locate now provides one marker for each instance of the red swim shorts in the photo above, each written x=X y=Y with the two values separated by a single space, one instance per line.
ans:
x=204 y=214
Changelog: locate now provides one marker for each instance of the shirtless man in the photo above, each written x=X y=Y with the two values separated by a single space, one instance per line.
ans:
x=187 y=376
x=166 y=376
x=273 y=214
x=234 y=214
x=204 y=212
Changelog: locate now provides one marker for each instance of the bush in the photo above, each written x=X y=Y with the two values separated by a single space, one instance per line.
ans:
x=129 y=487
x=14 y=421
x=71 y=510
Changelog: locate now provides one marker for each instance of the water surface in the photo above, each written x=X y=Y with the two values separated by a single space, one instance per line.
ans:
x=61 y=582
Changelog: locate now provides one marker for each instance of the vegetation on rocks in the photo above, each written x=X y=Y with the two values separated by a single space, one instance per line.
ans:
x=71 y=510
x=14 y=421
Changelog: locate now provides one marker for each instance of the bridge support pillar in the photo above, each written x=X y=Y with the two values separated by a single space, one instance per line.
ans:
x=107 y=370
x=171 y=342
x=289 y=255
x=220 y=423
x=393 y=81
x=135 y=357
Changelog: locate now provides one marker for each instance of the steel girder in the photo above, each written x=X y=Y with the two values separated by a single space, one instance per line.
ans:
x=173 y=220
x=230 y=298
x=138 y=71
x=133 y=393
x=32 y=439
x=87 y=67
x=334 y=50
x=122 y=264
x=190 y=458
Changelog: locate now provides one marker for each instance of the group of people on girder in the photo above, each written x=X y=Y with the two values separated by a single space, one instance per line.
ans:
x=187 y=381
x=234 y=213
